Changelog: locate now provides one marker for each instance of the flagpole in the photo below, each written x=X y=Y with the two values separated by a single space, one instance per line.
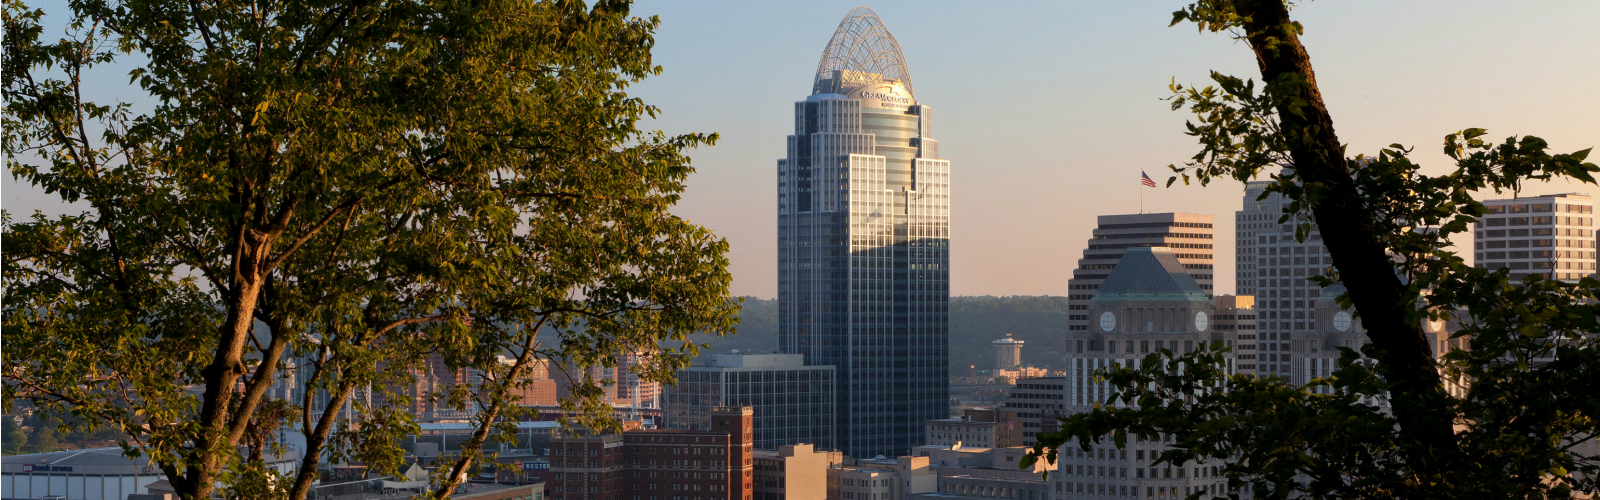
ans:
x=1141 y=196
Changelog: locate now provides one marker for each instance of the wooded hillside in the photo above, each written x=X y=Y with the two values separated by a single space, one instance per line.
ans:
x=974 y=323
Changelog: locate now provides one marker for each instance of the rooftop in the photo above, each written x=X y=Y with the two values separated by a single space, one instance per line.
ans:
x=1150 y=273
x=862 y=52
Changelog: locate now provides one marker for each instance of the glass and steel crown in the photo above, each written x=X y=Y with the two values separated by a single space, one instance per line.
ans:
x=864 y=53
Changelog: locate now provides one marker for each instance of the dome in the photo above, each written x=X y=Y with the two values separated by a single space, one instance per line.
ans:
x=861 y=53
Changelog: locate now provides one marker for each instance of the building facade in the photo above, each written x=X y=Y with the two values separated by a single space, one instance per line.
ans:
x=1038 y=401
x=793 y=472
x=1234 y=316
x=794 y=403
x=881 y=479
x=985 y=473
x=979 y=428
x=1552 y=236
x=1148 y=303
x=1273 y=266
x=1189 y=235
x=657 y=464
x=863 y=241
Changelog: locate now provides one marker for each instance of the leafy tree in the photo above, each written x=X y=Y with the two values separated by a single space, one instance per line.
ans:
x=1530 y=369
x=1003 y=380
x=356 y=192
x=14 y=438
x=43 y=440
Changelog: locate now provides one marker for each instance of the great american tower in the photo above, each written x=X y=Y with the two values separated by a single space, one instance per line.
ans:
x=863 y=241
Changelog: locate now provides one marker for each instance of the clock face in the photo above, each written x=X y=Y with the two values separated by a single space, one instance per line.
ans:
x=1201 y=321
x=1108 y=321
x=1341 y=321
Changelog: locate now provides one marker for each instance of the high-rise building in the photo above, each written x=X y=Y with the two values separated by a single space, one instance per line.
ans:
x=1273 y=266
x=863 y=241
x=793 y=403
x=1189 y=235
x=1549 y=235
x=1148 y=303
x=1007 y=353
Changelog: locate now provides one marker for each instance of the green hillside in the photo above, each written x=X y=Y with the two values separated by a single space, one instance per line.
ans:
x=974 y=323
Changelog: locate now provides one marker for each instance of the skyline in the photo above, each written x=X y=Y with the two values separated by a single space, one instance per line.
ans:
x=1088 y=120
x=1098 y=78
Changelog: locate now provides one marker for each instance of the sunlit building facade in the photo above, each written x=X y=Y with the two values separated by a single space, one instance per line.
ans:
x=1550 y=235
x=863 y=242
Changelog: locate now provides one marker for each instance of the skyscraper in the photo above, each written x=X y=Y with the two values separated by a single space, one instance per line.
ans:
x=1189 y=235
x=1273 y=266
x=1146 y=303
x=863 y=241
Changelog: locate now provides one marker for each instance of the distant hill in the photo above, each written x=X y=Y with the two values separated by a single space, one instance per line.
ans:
x=975 y=322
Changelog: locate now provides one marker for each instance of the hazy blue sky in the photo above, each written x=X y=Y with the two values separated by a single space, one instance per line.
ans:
x=1049 y=110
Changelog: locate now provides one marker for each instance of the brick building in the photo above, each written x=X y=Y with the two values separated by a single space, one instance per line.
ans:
x=657 y=464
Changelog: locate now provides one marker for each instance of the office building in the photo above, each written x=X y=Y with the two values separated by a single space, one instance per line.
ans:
x=794 y=403
x=1189 y=235
x=1234 y=316
x=977 y=428
x=1552 y=236
x=793 y=472
x=1007 y=353
x=1038 y=401
x=1147 y=303
x=863 y=242
x=656 y=464
x=1273 y=266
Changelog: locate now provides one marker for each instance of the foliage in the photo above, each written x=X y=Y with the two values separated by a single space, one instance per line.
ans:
x=358 y=194
x=12 y=439
x=1526 y=358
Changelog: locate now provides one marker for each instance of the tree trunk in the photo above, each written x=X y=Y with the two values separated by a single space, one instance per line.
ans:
x=317 y=439
x=1418 y=396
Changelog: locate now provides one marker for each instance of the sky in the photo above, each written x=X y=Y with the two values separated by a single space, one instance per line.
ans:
x=1048 y=111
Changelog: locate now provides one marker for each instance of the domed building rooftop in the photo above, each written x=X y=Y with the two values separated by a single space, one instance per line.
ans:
x=862 y=52
x=1150 y=273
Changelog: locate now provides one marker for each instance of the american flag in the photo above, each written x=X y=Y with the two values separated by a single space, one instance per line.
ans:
x=1144 y=178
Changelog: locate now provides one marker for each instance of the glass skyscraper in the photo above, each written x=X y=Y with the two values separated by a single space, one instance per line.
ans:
x=863 y=242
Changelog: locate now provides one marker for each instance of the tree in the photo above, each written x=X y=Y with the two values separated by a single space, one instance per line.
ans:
x=43 y=440
x=1387 y=227
x=348 y=192
x=14 y=438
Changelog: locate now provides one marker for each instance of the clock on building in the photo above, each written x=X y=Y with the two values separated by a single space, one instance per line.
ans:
x=1108 y=321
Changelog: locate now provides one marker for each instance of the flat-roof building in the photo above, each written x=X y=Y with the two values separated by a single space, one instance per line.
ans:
x=793 y=402
x=1551 y=235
